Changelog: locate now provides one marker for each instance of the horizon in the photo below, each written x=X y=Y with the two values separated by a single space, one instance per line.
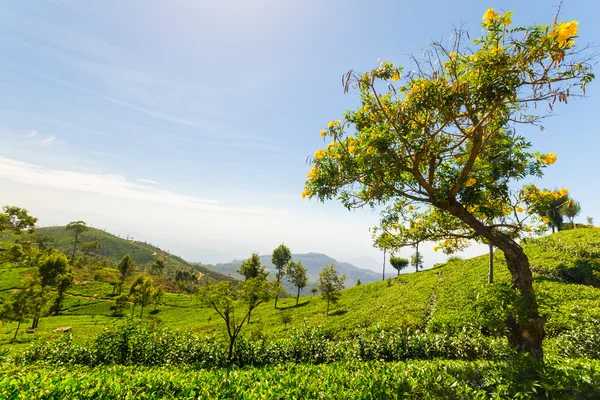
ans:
x=189 y=124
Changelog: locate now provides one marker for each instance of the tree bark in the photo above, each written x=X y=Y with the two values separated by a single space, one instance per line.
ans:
x=277 y=293
x=491 y=271
x=142 y=312
x=526 y=326
x=298 y=296
x=17 y=331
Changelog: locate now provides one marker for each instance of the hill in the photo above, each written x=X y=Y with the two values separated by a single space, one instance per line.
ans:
x=114 y=248
x=447 y=298
x=314 y=263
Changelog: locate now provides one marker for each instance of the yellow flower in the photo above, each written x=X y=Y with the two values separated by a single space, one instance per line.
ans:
x=408 y=95
x=436 y=248
x=452 y=55
x=507 y=20
x=313 y=172
x=410 y=208
x=546 y=220
x=563 y=192
x=490 y=16
x=519 y=209
x=323 y=133
x=319 y=153
x=366 y=107
x=566 y=30
x=338 y=122
x=470 y=182
x=528 y=228
x=549 y=159
x=306 y=193
x=331 y=124
x=396 y=76
x=352 y=149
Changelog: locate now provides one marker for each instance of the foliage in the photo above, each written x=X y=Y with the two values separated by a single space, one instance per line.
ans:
x=125 y=267
x=330 y=285
x=571 y=209
x=16 y=220
x=296 y=274
x=76 y=228
x=142 y=291
x=398 y=263
x=252 y=267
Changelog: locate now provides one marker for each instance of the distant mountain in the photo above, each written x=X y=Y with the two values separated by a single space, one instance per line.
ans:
x=114 y=248
x=314 y=263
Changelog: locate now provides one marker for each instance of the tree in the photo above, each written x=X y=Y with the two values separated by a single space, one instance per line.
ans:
x=314 y=290
x=444 y=137
x=571 y=209
x=16 y=220
x=91 y=248
x=590 y=221
x=54 y=270
x=157 y=296
x=398 y=263
x=43 y=241
x=125 y=267
x=157 y=266
x=226 y=300
x=358 y=282
x=296 y=275
x=330 y=284
x=281 y=257
x=16 y=309
x=77 y=228
x=252 y=267
x=121 y=303
x=141 y=292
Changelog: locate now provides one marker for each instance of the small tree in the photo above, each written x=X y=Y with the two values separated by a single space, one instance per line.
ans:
x=296 y=274
x=141 y=291
x=226 y=300
x=125 y=267
x=77 y=228
x=16 y=309
x=314 y=290
x=286 y=318
x=281 y=257
x=330 y=284
x=63 y=282
x=157 y=296
x=252 y=267
x=571 y=209
x=16 y=220
x=358 y=282
x=416 y=260
x=590 y=221
x=121 y=303
x=157 y=266
x=90 y=248
x=398 y=263
x=54 y=270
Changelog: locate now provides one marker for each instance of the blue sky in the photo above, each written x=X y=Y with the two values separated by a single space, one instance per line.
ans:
x=188 y=123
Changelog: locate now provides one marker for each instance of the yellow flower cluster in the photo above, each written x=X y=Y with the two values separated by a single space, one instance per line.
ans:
x=519 y=209
x=314 y=171
x=452 y=55
x=319 y=153
x=367 y=107
x=470 y=182
x=306 y=193
x=563 y=32
x=395 y=76
x=322 y=133
x=352 y=149
x=549 y=158
x=332 y=124
x=490 y=16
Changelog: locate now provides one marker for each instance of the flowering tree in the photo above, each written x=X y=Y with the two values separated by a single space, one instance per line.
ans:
x=438 y=148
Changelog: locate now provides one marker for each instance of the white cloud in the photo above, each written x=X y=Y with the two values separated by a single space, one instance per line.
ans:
x=150 y=181
x=31 y=134
x=47 y=141
x=111 y=185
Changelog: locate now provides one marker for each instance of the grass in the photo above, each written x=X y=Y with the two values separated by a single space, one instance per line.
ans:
x=444 y=296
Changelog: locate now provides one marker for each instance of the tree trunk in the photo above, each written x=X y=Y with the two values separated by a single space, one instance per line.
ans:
x=132 y=310
x=298 y=296
x=142 y=312
x=74 y=249
x=230 y=353
x=417 y=259
x=249 y=312
x=383 y=278
x=553 y=231
x=17 y=331
x=527 y=327
x=277 y=293
x=491 y=271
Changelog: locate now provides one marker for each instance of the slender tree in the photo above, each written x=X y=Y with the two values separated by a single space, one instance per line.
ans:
x=77 y=228
x=296 y=275
x=281 y=257
x=443 y=136
x=225 y=300
x=157 y=296
x=16 y=309
x=331 y=284
x=126 y=267
x=158 y=266
x=571 y=209
x=54 y=270
x=252 y=267
x=141 y=291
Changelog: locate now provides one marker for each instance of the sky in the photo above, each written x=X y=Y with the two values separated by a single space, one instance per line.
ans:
x=188 y=124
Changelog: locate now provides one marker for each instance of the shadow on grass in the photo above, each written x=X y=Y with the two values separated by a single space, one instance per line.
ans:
x=294 y=306
x=337 y=312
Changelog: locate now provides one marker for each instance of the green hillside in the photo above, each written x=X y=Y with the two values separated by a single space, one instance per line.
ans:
x=114 y=248
x=448 y=298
